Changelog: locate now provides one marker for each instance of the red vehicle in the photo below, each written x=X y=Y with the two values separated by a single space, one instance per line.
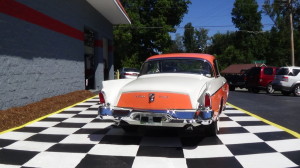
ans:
x=260 y=78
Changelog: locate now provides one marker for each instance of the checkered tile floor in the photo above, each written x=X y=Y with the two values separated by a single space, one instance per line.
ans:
x=77 y=138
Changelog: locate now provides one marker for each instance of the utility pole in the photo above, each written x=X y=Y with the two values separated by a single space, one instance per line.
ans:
x=292 y=33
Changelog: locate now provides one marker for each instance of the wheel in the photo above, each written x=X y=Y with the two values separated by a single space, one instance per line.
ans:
x=296 y=90
x=255 y=90
x=129 y=128
x=285 y=93
x=231 y=88
x=270 y=89
x=212 y=129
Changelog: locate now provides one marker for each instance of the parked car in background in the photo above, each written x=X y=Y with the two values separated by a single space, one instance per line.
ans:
x=260 y=78
x=173 y=90
x=287 y=80
x=129 y=73
x=236 y=80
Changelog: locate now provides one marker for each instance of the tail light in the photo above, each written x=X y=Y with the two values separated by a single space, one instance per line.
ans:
x=207 y=100
x=101 y=98
x=285 y=79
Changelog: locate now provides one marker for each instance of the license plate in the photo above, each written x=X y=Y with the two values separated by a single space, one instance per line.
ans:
x=147 y=119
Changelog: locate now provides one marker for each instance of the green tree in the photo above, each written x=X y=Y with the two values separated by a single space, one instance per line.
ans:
x=278 y=11
x=152 y=21
x=202 y=39
x=189 y=38
x=245 y=15
x=250 y=40
x=177 y=44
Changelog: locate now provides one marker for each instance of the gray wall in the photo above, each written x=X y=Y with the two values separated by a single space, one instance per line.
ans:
x=37 y=62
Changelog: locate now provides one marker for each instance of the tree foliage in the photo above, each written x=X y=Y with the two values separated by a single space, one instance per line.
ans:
x=152 y=20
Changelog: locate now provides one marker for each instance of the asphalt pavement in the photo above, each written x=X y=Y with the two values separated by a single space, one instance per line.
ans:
x=277 y=108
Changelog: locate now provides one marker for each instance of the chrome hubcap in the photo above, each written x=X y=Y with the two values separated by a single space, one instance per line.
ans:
x=297 y=90
x=270 y=88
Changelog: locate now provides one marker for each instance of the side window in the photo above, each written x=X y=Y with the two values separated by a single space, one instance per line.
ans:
x=296 y=72
x=216 y=68
x=268 y=71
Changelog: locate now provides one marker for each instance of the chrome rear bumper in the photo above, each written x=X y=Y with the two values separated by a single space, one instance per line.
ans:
x=164 y=118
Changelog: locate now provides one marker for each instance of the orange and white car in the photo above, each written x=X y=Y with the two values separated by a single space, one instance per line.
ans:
x=172 y=90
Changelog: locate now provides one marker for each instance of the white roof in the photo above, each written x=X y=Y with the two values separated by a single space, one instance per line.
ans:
x=112 y=10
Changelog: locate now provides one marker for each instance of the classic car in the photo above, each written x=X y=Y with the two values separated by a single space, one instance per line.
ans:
x=173 y=90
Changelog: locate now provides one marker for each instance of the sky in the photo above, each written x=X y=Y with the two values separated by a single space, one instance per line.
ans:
x=214 y=15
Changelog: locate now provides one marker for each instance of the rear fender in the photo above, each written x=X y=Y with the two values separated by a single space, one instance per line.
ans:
x=111 y=89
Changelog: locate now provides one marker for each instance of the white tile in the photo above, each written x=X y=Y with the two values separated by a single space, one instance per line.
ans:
x=16 y=135
x=43 y=124
x=114 y=150
x=285 y=145
x=86 y=103
x=83 y=139
x=226 y=124
x=159 y=162
x=208 y=151
x=59 y=131
x=89 y=112
x=76 y=109
x=55 y=159
x=79 y=120
x=30 y=146
x=233 y=111
x=97 y=125
x=161 y=141
x=265 y=160
x=239 y=138
x=262 y=128
x=244 y=118
x=61 y=116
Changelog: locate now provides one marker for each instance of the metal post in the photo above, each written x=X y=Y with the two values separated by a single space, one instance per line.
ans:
x=292 y=34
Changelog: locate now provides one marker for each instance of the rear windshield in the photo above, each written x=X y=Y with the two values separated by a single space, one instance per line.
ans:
x=287 y=71
x=177 y=65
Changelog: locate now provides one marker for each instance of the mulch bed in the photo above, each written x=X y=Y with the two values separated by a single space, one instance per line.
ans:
x=18 y=116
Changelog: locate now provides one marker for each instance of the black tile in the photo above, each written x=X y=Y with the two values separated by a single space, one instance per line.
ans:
x=96 y=161
x=69 y=112
x=82 y=106
x=70 y=125
x=96 y=101
x=293 y=156
x=31 y=129
x=46 y=138
x=229 y=108
x=92 y=109
x=6 y=142
x=92 y=131
x=15 y=157
x=233 y=130
x=121 y=140
x=74 y=148
x=237 y=114
x=250 y=148
x=54 y=119
x=85 y=116
x=225 y=119
x=101 y=120
x=251 y=123
x=155 y=151
x=221 y=162
x=272 y=136
x=199 y=141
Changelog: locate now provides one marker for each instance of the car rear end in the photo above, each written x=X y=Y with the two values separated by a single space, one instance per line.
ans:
x=130 y=73
x=281 y=80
